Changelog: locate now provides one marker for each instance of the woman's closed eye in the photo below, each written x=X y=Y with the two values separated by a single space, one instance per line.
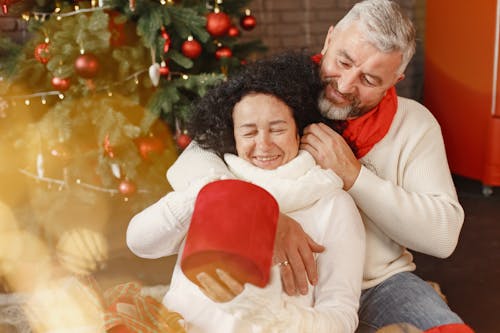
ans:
x=278 y=130
x=248 y=134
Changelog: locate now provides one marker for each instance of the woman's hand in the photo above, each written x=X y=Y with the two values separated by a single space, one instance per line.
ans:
x=222 y=290
x=293 y=252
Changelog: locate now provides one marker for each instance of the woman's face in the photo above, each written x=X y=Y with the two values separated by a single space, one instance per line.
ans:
x=264 y=130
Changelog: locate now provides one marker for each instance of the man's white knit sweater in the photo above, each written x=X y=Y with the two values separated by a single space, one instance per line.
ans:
x=404 y=191
x=310 y=195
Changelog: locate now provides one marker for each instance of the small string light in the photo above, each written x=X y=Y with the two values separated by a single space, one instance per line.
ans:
x=47 y=39
x=44 y=100
x=57 y=10
x=26 y=16
x=82 y=50
x=185 y=77
x=27 y=102
x=163 y=2
x=78 y=181
x=136 y=80
x=59 y=18
x=110 y=93
x=61 y=96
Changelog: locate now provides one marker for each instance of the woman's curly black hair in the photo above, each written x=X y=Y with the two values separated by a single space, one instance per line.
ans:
x=292 y=77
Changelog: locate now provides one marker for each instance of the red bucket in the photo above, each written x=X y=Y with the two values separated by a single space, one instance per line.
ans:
x=232 y=228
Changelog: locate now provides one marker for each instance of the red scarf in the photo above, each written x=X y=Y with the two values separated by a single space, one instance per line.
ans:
x=364 y=132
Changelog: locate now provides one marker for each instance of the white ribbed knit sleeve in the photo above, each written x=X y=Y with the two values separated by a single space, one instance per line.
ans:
x=159 y=229
x=196 y=163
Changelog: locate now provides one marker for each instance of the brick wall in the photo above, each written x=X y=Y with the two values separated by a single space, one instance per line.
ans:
x=13 y=28
x=302 y=24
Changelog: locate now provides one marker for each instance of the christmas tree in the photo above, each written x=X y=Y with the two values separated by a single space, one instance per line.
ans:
x=92 y=111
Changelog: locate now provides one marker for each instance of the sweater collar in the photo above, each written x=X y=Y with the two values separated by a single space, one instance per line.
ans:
x=295 y=185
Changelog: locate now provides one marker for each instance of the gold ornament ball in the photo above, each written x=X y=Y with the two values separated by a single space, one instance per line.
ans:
x=82 y=251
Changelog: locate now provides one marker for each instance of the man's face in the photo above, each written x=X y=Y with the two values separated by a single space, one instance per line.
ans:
x=356 y=74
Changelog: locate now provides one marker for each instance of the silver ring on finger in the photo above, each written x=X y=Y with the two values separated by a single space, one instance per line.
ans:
x=283 y=263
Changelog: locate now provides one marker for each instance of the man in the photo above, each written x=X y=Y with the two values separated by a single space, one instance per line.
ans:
x=398 y=174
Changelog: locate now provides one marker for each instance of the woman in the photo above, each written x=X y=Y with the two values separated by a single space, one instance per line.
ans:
x=255 y=120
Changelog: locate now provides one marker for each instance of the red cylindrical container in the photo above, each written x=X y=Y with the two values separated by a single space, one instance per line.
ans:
x=232 y=228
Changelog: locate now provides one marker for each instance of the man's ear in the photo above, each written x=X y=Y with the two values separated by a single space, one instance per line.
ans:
x=400 y=78
x=327 y=40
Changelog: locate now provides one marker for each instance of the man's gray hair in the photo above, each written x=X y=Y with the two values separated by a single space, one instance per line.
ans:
x=383 y=24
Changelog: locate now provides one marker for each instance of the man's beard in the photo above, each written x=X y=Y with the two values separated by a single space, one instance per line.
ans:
x=333 y=112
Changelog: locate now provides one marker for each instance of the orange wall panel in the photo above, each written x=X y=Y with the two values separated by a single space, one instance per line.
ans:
x=459 y=63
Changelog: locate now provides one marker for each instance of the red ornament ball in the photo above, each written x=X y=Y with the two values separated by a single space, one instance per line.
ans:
x=148 y=145
x=42 y=53
x=87 y=65
x=248 y=22
x=61 y=84
x=164 y=70
x=218 y=24
x=183 y=140
x=223 y=52
x=191 y=49
x=233 y=31
x=127 y=187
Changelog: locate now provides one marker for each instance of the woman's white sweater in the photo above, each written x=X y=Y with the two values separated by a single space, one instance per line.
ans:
x=311 y=196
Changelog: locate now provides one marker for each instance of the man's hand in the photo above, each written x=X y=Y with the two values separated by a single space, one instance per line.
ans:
x=293 y=251
x=217 y=291
x=330 y=151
